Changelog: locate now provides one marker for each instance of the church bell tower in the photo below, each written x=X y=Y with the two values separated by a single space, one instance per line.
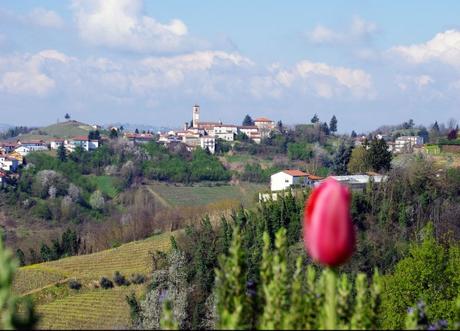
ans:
x=196 y=116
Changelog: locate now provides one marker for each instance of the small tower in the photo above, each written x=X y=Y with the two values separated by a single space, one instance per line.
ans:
x=196 y=116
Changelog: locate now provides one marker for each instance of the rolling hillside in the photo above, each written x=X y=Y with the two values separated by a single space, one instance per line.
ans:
x=59 y=130
x=90 y=307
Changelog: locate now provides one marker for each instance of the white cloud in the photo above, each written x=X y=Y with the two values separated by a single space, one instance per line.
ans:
x=404 y=82
x=321 y=79
x=358 y=31
x=120 y=24
x=444 y=47
x=45 y=18
x=24 y=74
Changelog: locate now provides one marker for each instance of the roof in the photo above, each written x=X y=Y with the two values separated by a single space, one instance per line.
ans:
x=80 y=138
x=139 y=135
x=295 y=173
x=262 y=119
x=27 y=142
x=248 y=127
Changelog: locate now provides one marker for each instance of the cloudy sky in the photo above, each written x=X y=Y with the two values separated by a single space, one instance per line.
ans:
x=368 y=62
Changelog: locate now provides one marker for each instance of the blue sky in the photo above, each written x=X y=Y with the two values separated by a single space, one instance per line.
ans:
x=370 y=63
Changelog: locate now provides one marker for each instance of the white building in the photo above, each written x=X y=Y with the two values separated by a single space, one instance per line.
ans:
x=83 y=142
x=56 y=143
x=8 y=163
x=264 y=125
x=25 y=147
x=405 y=144
x=287 y=178
x=208 y=143
x=358 y=182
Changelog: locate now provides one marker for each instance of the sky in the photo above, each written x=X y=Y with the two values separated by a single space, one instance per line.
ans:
x=131 y=61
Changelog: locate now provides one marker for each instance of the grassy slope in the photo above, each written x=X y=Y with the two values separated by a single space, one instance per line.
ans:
x=203 y=195
x=106 y=184
x=88 y=308
x=59 y=130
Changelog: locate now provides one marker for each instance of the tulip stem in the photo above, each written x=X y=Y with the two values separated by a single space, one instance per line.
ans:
x=330 y=322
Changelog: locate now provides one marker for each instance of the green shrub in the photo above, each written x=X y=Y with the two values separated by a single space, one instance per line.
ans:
x=119 y=279
x=106 y=283
x=74 y=284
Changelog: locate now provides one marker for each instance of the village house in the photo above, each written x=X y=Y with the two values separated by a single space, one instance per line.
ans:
x=55 y=143
x=25 y=147
x=81 y=141
x=139 y=138
x=288 y=178
x=7 y=147
x=405 y=144
x=8 y=163
x=264 y=125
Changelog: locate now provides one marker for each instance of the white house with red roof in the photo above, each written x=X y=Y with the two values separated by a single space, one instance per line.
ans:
x=287 y=178
x=8 y=163
x=81 y=141
x=264 y=125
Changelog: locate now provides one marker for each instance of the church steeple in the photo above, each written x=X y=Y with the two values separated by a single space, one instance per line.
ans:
x=196 y=116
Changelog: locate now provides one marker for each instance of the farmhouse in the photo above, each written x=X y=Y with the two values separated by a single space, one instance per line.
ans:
x=288 y=178
x=264 y=125
x=56 y=143
x=25 y=147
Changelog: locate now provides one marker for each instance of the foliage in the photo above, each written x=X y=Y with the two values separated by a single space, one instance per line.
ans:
x=299 y=151
x=430 y=274
x=378 y=155
x=341 y=159
x=119 y=279
x=74 y=284
x=333 y=124
x=10 y=316
x=247 y=121
x=105 y=283
x=358 y=162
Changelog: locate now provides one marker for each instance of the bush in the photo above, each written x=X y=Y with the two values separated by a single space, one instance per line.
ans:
x=119 y=279
x=106 y=283
x=137 y=279
x=74 y=284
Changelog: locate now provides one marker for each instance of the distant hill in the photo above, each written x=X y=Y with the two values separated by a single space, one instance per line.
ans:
x=4 y=127
x=66 y=129
x=140 y=127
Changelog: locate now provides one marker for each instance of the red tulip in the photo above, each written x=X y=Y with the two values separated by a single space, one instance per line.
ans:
x=329 y=235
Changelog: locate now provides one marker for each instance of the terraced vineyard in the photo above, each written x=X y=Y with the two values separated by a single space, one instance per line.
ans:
x=90 y=307
x=98 y=309
x=205 y=195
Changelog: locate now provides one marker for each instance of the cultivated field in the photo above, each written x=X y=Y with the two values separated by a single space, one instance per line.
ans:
x=206 y=195
x=60 y=307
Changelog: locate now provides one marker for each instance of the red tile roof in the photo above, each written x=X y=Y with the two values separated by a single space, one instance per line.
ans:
x=262 y=119
x=295 y=173
x=80 y=138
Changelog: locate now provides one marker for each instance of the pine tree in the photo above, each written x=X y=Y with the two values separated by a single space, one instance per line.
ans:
x=333 y=124
x=341 y=159
x=378 y=155
x=61 y=153
x=315 y=119
x=247 y=121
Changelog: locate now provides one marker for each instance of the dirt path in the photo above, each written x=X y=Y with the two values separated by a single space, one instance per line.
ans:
x=159 y=197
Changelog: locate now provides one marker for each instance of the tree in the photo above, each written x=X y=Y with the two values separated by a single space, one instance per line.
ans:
x=378 y=155
x=333 y=124
x=315 y=119
x=435 y=127
x=136 y=131
x=428 y=274
x=452 y=134
x=280 y=126
x=247 y=121
x=113 y=134
x=341 y=159
x=423 y=132
x=358 y=161
x=61 y=153
x=325 y=129
x=97 y=200
x=13 y=315
x=67 y=116
x=353 y=134
x=94 y=135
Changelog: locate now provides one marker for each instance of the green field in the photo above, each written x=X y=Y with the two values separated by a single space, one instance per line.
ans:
x=106 y=184
x=60 y=307
x=67 y=129
x=205 y=195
